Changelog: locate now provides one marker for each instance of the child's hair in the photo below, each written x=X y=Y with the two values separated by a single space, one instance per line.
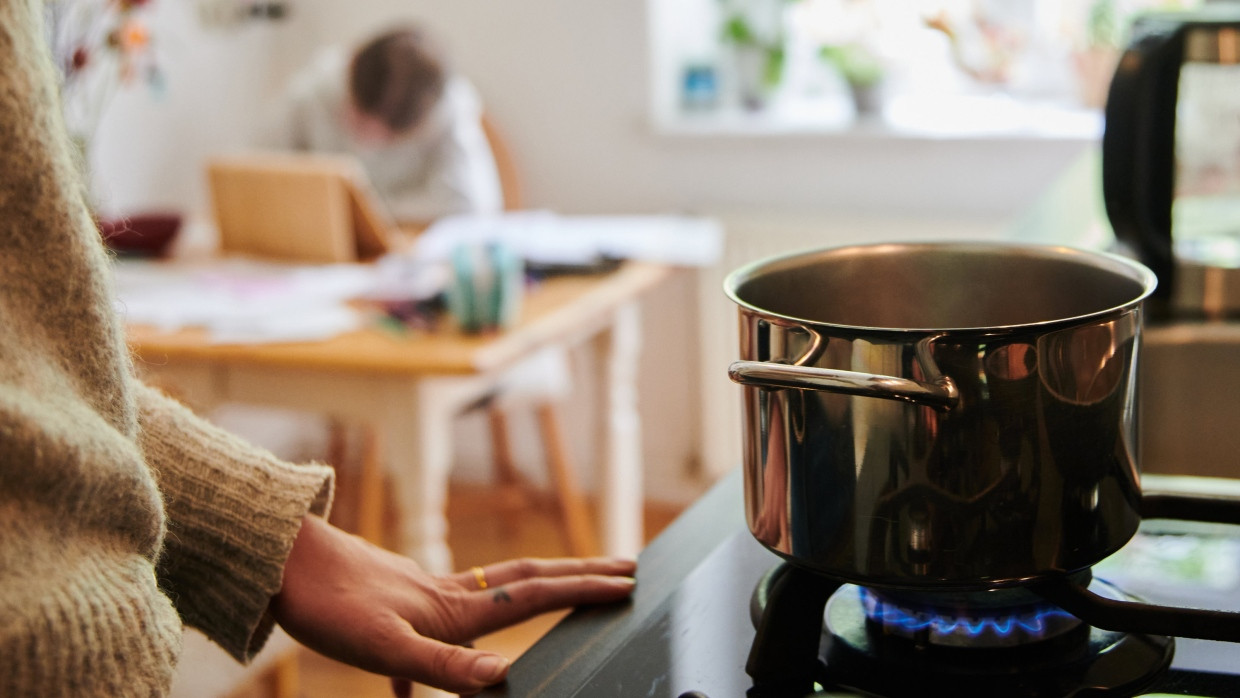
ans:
x=397 y=78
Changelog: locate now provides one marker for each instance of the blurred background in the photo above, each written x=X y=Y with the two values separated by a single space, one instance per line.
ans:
x=792 y=123
x=795 y=123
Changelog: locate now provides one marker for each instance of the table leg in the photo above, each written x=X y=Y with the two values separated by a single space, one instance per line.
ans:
x=621 y=488
x=198 y=387
x=415 y=435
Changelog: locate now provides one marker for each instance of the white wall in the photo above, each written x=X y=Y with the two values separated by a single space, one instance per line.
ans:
x=568 y=82
x=150 y=145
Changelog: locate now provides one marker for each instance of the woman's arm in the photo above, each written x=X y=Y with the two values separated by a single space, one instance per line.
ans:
x=233 y=512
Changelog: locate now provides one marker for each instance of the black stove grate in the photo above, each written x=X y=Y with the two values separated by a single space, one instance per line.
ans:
x=812 y=631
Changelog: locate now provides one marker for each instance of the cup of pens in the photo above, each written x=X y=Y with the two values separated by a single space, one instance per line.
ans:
x=488 y=282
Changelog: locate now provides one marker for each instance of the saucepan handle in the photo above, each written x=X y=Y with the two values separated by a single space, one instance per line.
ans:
x=1137 y=617
x=1206 y=508
x=940 y=394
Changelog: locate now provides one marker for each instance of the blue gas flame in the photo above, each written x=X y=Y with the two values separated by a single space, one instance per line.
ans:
x=1032 y=622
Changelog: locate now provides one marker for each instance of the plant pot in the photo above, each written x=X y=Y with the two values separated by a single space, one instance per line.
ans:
x=867 y=99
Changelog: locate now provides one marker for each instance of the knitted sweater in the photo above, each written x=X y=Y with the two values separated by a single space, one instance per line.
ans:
x=122 y=514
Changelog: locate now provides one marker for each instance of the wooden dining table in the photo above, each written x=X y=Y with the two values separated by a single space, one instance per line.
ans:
x=410 y=386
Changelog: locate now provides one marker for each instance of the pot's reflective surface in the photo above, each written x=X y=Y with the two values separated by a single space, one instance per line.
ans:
x=1033 y=470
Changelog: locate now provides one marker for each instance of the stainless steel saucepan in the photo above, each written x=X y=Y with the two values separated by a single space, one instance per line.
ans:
x=946 y=415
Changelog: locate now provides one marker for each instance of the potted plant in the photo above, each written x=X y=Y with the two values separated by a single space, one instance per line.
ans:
x=1094 y=62
x=101 y=47
x=861 y=69
x=755 y=31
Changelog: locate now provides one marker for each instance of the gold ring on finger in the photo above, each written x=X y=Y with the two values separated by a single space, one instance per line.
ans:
x=480 y=576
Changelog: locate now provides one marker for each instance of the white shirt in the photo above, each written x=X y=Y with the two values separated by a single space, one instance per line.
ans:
x=444 y=166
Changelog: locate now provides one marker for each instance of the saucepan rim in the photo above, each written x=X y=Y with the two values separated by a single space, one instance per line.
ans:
x=1104 y=261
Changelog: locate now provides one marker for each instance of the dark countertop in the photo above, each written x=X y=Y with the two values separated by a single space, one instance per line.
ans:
x=577 y=655
x=684 y=629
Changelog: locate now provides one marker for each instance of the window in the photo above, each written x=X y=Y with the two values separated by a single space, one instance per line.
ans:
x=938 y=67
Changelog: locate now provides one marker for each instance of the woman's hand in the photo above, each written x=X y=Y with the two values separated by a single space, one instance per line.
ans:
x=360 y=604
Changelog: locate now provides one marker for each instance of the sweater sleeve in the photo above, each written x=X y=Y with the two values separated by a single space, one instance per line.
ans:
x=233 y=511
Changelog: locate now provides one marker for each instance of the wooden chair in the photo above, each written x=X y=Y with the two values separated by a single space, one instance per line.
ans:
x=365 y=484
x=509 y=178
x=577 y=525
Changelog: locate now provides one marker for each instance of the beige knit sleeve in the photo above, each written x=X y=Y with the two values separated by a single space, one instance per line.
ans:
x=233 y=510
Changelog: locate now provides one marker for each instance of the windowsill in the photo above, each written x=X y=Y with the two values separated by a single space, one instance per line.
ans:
x=951 y=118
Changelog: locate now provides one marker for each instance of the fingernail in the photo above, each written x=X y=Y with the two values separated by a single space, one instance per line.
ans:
x=490 y=668
x=624 y=582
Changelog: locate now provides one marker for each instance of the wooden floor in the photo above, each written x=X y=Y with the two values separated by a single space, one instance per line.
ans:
x=478 y=534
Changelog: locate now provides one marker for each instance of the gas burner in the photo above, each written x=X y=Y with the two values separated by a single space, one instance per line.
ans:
x=1076 y=659
x=971 y=620
x=894 y=643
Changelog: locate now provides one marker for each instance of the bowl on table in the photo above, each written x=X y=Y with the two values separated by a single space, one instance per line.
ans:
x=142 y=234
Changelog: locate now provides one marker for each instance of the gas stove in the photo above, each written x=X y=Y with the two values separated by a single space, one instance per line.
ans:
x=717 y=615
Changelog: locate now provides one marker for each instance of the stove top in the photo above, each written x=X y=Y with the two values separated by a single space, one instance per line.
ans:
x=689 y=629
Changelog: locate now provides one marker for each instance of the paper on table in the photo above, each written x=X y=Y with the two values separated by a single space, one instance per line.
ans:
x=305 y=325
x=541 y=236
x=243 y=301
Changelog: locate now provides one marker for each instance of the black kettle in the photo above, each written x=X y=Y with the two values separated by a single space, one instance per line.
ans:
x=1171 y=157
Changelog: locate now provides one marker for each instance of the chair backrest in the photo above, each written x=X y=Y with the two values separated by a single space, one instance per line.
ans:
x=509 y=179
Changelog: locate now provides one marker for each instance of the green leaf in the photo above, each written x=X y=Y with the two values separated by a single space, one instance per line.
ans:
x=774 y=71
x=856 y=64
x=737 y=30
x=1103 y=26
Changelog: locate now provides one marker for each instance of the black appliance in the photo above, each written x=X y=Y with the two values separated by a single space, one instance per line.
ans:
x=1171 y=157
x=705 y=584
